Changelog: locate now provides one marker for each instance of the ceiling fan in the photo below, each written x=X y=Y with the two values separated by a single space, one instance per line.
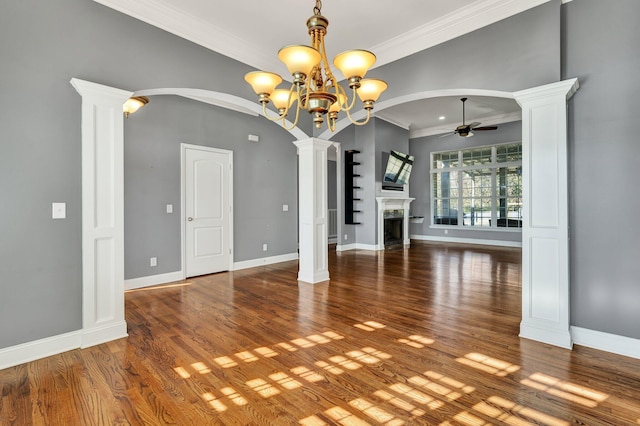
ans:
x=466 y=130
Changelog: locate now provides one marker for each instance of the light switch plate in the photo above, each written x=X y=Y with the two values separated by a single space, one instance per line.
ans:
x=58 y=210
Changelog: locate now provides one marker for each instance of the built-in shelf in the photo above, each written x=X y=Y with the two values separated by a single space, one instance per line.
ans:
x=350 y=187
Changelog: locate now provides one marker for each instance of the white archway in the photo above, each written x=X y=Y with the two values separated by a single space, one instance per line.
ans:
x=545 y=309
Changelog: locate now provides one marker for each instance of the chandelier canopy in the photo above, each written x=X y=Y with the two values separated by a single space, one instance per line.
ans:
x=314 y=87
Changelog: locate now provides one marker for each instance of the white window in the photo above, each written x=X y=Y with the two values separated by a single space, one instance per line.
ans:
x=478 y=188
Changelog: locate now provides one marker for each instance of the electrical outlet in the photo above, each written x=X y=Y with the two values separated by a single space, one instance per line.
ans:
x=153 y=261
x=446 y=231
x=169 y=208
x=264 y=247
x=345 y=237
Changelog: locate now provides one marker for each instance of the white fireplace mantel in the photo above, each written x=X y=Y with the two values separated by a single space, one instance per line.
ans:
x=393 y=203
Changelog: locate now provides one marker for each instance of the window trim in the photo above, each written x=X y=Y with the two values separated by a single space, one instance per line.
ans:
x=494 y=166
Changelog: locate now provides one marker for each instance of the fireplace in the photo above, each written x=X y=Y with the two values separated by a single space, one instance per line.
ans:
x=393 y=229
x=393 y=222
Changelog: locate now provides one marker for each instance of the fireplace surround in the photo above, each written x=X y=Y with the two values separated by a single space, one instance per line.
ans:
x=396 y=210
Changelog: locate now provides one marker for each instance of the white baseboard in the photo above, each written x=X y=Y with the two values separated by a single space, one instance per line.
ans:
x=345 y=247
x=31 y=351
x=169 y=277
x=264 y=261
x=607 y=342
x=467 y=241
x=108 y=333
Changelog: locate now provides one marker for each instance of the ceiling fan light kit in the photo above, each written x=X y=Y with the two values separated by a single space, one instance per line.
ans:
x=314 y=87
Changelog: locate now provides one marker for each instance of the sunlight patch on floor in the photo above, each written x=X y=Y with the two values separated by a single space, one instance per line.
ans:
x=566 y=390
x=344 y=417
x=370 y=326
x=417 y=341
x=375 y=412
x=182 y=372
x=246 y=356
x=201 y=367
x=308 y=375
x=416 y=396
x=400 y=403
x=488 y=364
x=312 y=421
x=329 y=367
x=345 y=362
x=234 y=396
x=263 y=388
x=287 y=347
x=266 y=352
x=368 y=355
x=286 y=381
x=514 y=414
x=214 y=402
x=225 y=362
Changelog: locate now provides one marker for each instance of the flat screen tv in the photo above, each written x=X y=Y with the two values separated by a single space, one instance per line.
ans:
x=398 y=168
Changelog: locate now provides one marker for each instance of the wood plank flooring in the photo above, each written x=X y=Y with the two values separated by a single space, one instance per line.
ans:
x=423 y=336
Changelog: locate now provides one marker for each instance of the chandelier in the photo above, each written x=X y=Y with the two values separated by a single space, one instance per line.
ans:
x=314 y=87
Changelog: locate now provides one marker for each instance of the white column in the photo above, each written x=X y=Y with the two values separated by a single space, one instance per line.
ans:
x=312 y=199
x=102 y=212
x=545 y=231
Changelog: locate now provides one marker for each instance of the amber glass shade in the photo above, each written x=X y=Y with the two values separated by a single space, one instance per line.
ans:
x=354 y=63
x=134 y=103
x=299 y=59
x=263 y=82
x=370 y=89
x=279 y=97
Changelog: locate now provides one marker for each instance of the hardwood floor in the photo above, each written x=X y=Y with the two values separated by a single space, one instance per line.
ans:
x=424 y=336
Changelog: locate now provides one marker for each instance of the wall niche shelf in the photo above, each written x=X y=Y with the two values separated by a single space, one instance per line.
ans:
x=350 y=187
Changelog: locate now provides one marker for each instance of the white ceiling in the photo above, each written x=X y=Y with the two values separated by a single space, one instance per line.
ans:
x=253 y=32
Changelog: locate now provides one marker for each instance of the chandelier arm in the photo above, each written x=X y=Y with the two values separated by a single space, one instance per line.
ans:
x=295 y=123
x=359 y=123
x=353 y=99
x=265 y=113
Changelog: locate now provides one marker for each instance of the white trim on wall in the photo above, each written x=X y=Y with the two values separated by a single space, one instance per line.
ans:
x=467 y=241
x=613 y=343
x=263 y=261
x=31 y=351
x=151 y=280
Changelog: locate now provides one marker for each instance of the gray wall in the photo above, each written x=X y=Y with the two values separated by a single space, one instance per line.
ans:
x=519 y=52
x=420 y=184
x=600 y=45
x=43 y=45
x=264 y=177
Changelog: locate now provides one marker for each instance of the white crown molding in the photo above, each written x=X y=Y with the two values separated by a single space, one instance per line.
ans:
x=477 y=15
x=173 y=20
x=192 y=28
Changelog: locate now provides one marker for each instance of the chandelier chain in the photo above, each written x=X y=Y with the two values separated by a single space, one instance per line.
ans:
x=316 y=9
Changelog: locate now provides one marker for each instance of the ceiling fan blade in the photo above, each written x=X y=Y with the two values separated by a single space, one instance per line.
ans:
x=447 y=134
x=474 y=124
x=485 y=128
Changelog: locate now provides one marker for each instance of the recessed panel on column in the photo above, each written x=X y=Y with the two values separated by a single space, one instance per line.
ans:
x=320 y=183
x=543 y=161
x=104 y=280
x=321 y=249
x=104 y=162
x=545 y=279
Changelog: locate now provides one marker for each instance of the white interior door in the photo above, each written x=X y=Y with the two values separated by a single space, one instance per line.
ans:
x=207 y=210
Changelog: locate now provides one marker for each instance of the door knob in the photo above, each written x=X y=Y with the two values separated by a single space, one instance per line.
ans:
x=189 y=219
